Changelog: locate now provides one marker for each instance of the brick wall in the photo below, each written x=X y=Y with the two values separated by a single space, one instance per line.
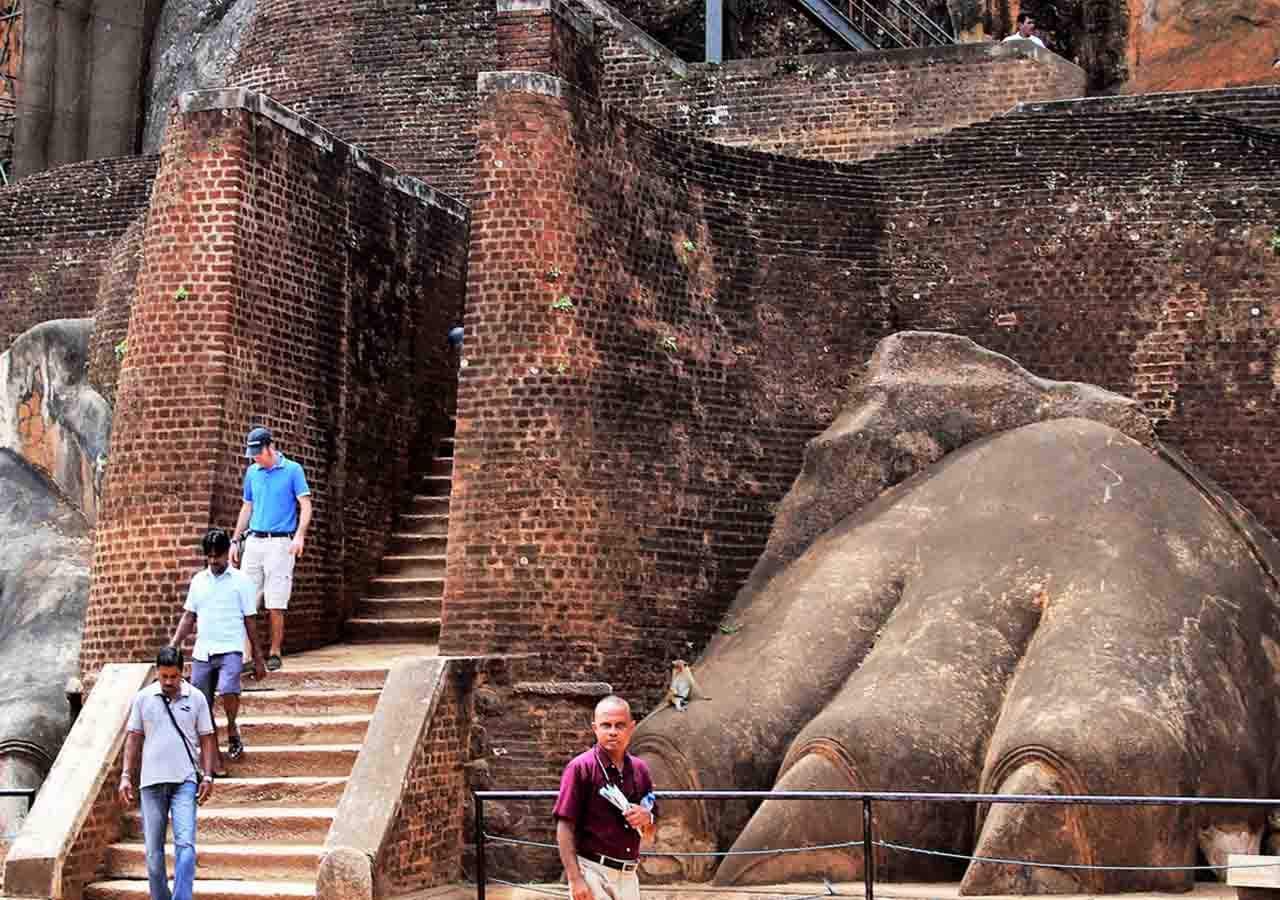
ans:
x=56 y=231
x=525 y=732
x=642 y=376
x=1258 y=107
x=112 y=305
x=547 y=36
x=1128 y=249
x=86 y=860
x=288 y=281
x=424 y=848
x=839 y=106
x=395 y=77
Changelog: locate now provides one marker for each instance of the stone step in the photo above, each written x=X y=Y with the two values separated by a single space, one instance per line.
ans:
x=428 y=504
x=308 y=678
x=270 y=702
x=399 y=586
x=411 y=543
x=425 y=523
x=240 y=862
x=436 y=485
x=207 y=889
x=249 y=825
x=396 y=607
x=297 y=731
x=415 y=566
x=300 y=790
x=312 y=759
x=443 y=465
x=369 y=631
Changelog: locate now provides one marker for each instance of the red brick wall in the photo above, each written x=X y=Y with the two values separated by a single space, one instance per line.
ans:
x=395 y=77
x=288 y=284
x=840 y=106
x=425 y=846
x=56 y=233
x=1258 y=107
x=618 y=461
x=547 y=37
x=1132 y=250
x=86 y=861
x=111 y=309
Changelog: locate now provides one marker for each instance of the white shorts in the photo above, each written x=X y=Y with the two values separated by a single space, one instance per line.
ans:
x=607 y=883
x=269 y=565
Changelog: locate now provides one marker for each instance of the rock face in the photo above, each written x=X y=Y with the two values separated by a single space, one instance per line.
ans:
x=1053 y=608
x=1179 y=45
x=49 y=415
x=45 y=554
x=195 y=45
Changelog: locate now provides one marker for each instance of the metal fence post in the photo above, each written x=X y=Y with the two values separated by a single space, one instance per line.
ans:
x=868 y=851
x=481 y=875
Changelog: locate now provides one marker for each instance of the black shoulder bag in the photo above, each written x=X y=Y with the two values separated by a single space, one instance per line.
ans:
x=182 y=736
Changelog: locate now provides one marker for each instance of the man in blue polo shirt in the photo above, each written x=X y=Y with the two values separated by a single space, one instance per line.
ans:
x=272 y=525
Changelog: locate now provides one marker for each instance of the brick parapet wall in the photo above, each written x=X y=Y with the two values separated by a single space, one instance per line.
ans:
x=652 y=418
x=56 y=234
x=407 y=95
x=1258 y=107
x=1133 y=251
x=841 y=106
x=87 y=859
x=111 y=309
x=547 y=36
x=287 y=280
x=424 y=849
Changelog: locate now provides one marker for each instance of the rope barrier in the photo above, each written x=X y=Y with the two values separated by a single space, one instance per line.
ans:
x=692 y=853
x=564 y=893
x=905 y=848
x=1047 y=865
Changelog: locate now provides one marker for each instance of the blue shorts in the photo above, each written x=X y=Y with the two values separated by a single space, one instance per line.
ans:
x=221 y=671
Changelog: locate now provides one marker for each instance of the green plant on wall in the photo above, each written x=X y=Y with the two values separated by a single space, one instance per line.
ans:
x=563 y=304
x=689 y=246
x=1275 y=241
x=181 y=294
x=121 y=349
x=668 y=343
x=562 y=368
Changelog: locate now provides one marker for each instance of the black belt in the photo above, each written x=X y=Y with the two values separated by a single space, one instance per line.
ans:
x=622 y=864
x=270 y=533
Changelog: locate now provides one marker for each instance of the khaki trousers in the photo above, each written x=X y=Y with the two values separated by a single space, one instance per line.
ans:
x=607 y=883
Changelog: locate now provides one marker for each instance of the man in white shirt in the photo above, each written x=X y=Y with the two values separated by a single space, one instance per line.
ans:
x=167 y=720
x=221 y=604
x=1026 y=31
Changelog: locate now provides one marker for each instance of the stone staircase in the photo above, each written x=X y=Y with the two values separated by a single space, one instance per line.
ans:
x=262 y=832
x=403 y=602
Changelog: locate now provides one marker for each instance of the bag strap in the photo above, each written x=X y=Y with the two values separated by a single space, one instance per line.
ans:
x=182 y=735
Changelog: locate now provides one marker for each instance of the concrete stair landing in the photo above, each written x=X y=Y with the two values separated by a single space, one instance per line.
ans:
x=403 y=600
x=261 y=834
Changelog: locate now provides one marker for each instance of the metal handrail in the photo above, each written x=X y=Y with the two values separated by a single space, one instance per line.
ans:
x=918 y=18
x=867 y=798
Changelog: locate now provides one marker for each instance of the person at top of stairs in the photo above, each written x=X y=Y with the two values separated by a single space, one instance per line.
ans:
x=273 y=524
x=221 y=604
x=167 y=719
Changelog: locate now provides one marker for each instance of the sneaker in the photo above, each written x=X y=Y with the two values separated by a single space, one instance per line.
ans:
x=235 y=747
x=273 y=663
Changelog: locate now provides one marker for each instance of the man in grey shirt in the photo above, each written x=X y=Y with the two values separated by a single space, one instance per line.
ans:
x=169 y=718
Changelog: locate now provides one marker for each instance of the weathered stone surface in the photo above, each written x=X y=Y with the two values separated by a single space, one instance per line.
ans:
x=923 y=395
x=345 y=874
x=196 y=44
x=1053 y=608
x=50 y=415
x=1179 y=45
x=45 y=553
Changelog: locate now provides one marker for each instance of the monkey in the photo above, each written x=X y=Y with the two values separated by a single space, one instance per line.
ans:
x=684 y=687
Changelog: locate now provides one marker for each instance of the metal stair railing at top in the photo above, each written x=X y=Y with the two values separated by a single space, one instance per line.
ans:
x=899 y=23
x=867 y=842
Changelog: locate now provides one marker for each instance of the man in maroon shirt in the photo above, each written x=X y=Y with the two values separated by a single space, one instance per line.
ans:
x=599 y=844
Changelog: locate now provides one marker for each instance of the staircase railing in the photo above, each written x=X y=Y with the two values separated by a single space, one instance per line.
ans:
x=890 y=24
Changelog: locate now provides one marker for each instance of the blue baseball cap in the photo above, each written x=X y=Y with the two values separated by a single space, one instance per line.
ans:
x=257 y=441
